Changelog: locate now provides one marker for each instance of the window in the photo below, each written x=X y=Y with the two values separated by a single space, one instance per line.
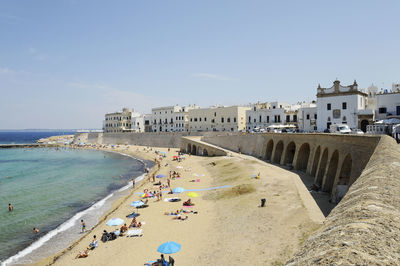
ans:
x=329 y=118
x=288 y=118
x=315 y=116
x=344 y=106
x=308 y=116
x=294 y=118
x=255 y=120
x=260 y=119
x=268 y=119
x=249 y=119
x=344 y=119
x=228 y=120
x=195 y=120
x=200 y=119
x=212 y=120
x=382 y=110
x=328 y=106
x=222 y=120
x=255 y=108
x=205 y=118
x=215 y=113
x=234 y=119
x=191 y=119
x=273 y=107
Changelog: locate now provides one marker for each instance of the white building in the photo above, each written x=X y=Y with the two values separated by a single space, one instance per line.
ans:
x=137 y=123
x=148 y=118
x=387 y=105
x=118 y=121
x=307 y=117
x=342 y=105
x=262 y=115
x=218 y=118
x=171 y=118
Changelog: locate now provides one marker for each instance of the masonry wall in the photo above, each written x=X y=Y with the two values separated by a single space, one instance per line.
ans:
x=364 y=229
x=162 y=139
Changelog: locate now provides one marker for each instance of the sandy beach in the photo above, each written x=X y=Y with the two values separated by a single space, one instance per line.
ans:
x=229 y=229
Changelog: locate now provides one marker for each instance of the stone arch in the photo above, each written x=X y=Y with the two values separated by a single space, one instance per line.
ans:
x=331 y=173
x=316 y=159
x=199 y=151
x=278 y=152
x=189 y=149
x=322 y=167
x=268 y=153
x=289 y=154
x=194 y=150
x=364 y=124
x=345 y=171
x=302 y=157
x=205 y=152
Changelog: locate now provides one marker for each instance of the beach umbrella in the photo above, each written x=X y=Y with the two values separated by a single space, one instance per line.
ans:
x=193 y=194
x=169 y=247
x=195 y=174
x=132 y=215
x=178 y=190
x=160 y=176
x=147 y=195
x=179 y=166
x=115 y=221
x=137 y=204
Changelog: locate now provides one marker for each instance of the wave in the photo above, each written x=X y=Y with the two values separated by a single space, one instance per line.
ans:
x=70 y=222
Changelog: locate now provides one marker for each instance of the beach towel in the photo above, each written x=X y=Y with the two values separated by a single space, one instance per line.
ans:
x=134 y=232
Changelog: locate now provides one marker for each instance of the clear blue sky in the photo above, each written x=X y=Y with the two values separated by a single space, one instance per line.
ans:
x=63 y=64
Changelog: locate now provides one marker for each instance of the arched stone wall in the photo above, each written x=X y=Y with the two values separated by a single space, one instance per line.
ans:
x=194 y=150
x=289 y=153
x=302 y=157
x=322 y=167
x=278 y=152
x=270 y=148
x=327 y=185
x=345 y=171
x=205 y=152
x=189 y=149
x=317 y=154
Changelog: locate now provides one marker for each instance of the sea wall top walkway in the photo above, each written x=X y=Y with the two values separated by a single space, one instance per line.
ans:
x=31 y=145
x=364 y=229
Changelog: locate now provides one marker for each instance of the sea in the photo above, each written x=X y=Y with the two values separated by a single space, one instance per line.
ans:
x=53 y=189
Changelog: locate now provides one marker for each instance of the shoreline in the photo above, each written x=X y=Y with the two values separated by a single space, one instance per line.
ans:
x=119 y=193
x=114 y=205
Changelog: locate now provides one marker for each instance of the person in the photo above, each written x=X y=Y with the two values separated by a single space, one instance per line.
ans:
x=258 y=175
x=83 y=226
x=10 y=207
x=35 y=230
x=83 y=254
x=154 y=177
x=123 y=228
x=188 y=203
x=93 y=244
x=133 y=183
x=171 y=261
x=179 y=217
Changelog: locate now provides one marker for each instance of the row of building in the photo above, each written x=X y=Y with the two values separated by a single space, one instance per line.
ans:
x=337 y=104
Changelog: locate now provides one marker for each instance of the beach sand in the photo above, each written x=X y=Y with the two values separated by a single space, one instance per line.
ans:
x=229 y=229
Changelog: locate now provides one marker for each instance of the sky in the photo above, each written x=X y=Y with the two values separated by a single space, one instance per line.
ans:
x=65 y=63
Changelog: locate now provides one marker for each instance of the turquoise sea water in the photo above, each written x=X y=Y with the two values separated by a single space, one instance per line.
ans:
x=48 y=186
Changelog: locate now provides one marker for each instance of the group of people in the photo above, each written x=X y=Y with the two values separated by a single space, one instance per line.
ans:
x=135 y=223
x=90 y=247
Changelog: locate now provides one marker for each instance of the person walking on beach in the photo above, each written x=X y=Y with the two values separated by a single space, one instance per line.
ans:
x=83 y=226
x=10 y=207
x=133 y=183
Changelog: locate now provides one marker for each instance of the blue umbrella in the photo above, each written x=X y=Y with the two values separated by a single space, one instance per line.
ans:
x=115 y=221
x=169 y=247
x=137 y=203
x=132 y=215
x=178 y=190
x=160 y=176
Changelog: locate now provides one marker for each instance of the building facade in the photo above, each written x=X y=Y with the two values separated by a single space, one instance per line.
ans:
x=387 y=105
x=218 y=118
x=307 y=117
x=171 y=118
x=118 y=121
x=342 y=105
x=262 y=115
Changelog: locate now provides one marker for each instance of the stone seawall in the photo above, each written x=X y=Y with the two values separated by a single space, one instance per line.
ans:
x=335 y=161
x=163 y=139
x=364 y=229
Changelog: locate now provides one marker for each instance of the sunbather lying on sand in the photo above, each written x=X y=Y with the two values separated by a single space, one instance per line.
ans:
x=83 y=254
x=179 y=217
x=173 y=213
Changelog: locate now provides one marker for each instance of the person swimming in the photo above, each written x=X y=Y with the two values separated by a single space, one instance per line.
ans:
x=10 y=207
